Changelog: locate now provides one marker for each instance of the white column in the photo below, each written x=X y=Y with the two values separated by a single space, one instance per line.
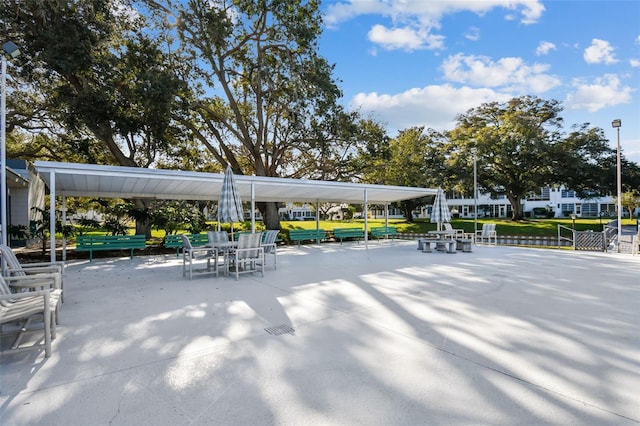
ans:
x=64 y=223
x=52 y=214
x=365 y=211
x=619 y=169
x=253 y=207
x=3 y=152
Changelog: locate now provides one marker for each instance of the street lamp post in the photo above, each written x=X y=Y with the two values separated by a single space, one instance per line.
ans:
x=616 y=124
x=8 y=49
x=474 y=151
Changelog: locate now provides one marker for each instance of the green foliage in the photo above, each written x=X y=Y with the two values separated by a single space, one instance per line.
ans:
x=413 y=158
x=170 y=216
x=84 y=223
x=18 y=232
x=42 y=225
x=115 y=225
x=520 y=148
x=630 y=200
x=195 y=220
x=166 y=217
x=584 y=162
x=99 y=73
x=270 y=107
x=348 y=212
x=242 y=83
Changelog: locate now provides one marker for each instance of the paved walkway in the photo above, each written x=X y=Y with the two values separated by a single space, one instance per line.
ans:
x=384 y=336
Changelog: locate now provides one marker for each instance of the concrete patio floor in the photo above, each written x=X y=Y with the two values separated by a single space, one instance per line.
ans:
x=383 y=336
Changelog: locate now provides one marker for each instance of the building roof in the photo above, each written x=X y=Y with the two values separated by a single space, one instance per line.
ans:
x=90 y=180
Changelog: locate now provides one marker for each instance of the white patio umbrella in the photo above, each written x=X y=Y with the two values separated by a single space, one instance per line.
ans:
x=440 y=211
x=229 y=205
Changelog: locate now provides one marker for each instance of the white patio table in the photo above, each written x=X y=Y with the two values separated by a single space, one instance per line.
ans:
x=226 y=248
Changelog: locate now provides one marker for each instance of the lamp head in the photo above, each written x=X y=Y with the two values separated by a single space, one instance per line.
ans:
x=11 y=49
x=616 y=123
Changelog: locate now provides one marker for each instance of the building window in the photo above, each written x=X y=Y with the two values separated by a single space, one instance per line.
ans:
x=568 y=193
x=590 y=210
x=567 y=209
x=544 y=195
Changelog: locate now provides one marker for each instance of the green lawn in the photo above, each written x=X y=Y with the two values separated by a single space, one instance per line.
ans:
x=539 y=227
x=504 y=226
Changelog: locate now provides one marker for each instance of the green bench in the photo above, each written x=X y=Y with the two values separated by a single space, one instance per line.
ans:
x=93 y=243
x=299 y=235
x=383 y=231
x=175 y=241
x=343 y=233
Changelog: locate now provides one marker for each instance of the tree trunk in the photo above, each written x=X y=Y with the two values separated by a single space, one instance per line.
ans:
x=270 y=216
x=408 y=213
x=516 y=208
x=142 y=225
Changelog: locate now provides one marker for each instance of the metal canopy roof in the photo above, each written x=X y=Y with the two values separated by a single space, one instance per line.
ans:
x=89 y=180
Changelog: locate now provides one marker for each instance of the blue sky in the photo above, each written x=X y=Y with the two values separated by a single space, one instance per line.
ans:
x=420 y=62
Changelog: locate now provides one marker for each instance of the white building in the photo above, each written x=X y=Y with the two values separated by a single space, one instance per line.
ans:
x=294 y=212
x=25 y=193
x=559 y=201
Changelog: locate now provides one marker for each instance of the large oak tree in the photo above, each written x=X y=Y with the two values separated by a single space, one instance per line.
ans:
x=521 y=148
x=267 y=102
x=98 y=74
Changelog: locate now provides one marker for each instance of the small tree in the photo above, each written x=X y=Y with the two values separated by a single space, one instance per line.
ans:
x=42 y=227
x=630 y=200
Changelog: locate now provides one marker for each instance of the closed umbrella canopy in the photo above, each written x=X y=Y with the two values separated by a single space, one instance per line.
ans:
x=440 y=211
x=229 y=205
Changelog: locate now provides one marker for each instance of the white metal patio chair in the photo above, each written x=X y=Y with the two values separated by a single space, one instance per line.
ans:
x=21 y=308
x=192 y=253
x=459 y=232
x=43 y=269
x=269 y=244
x=487 y=234
x=217 y=237
x=248 y=257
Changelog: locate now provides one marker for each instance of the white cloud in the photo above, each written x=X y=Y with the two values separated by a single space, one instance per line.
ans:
x=421 y=16
x=634 y=63
x=544 y=48
x=512 y=74
x=404 y=38
x=432 y=106
x=532 y=12
x=599 y=52
x=473 y=34
x=603 y=92
x=428 y=11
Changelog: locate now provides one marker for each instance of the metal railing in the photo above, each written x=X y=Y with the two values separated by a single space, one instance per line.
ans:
x=562 y=237
x=584 y=240
x=610 y=232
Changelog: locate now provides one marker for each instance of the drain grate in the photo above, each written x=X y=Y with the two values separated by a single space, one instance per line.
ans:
x=278 y=330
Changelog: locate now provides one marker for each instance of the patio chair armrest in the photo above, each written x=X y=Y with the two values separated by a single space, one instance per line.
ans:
x=35 y=270
x=202 y=249
x=268 y=247
x=32 y=294
x=59 y=265
x=34 y=281
x=239 y=251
